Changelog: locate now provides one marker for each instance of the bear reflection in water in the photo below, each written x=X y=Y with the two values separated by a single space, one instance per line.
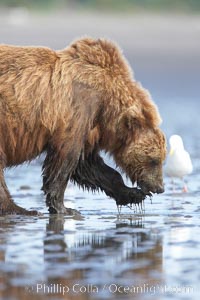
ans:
x=66 y=254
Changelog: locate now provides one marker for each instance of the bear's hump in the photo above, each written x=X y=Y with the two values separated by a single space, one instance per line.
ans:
x=100 y=52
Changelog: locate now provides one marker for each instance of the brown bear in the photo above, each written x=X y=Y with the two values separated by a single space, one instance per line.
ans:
x=71 y=104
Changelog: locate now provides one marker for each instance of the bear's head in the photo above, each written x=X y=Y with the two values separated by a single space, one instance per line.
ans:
x=141 y=157
x=141 y=143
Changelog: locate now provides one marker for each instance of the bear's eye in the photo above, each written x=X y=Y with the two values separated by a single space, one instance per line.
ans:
x=154 y=162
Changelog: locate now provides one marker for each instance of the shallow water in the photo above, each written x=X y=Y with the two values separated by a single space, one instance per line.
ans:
x=138 y=254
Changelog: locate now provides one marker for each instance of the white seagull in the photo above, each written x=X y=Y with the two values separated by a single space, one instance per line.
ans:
x=178 y=161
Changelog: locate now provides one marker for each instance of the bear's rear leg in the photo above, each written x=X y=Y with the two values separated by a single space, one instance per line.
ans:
x=7 y=206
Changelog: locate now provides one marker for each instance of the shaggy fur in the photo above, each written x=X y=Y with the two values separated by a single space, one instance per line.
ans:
x=71 y=104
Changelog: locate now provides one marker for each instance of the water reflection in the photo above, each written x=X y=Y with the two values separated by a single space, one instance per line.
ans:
x=39 y=257
x=127 y=254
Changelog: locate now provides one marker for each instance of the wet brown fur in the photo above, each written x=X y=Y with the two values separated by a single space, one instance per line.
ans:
x=71 y=103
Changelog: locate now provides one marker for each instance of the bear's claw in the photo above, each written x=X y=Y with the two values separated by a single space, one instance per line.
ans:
x=17 y=210
x=64 y=210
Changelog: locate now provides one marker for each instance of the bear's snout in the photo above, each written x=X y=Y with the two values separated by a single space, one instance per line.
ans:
x=147 y=188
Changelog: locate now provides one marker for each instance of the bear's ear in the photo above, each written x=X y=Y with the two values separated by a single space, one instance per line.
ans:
x=129 y=122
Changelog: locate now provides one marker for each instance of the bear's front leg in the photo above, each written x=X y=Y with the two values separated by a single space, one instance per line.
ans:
x=56 y=172
x=92 y=173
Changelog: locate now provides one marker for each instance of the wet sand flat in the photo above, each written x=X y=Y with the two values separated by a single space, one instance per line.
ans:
x=140 y=254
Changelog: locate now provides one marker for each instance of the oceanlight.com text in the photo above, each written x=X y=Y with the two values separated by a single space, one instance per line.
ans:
x=112 y=288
